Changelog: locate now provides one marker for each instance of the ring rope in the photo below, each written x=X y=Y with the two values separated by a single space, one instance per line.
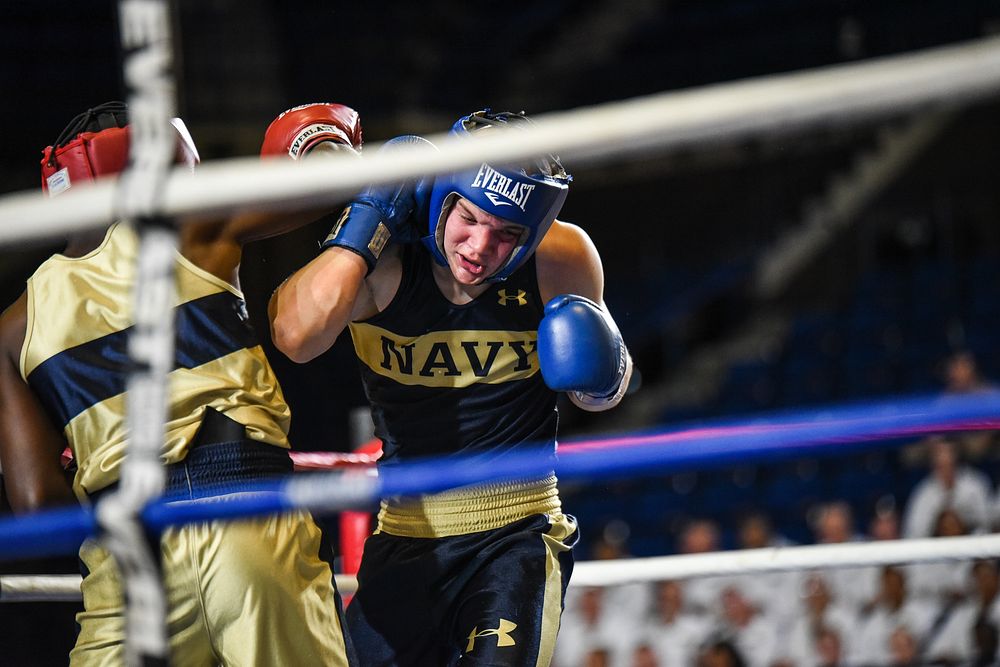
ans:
x=19 y=588
x=780 y=103
x=853 y=427
x=66 y=587
x=772 y=559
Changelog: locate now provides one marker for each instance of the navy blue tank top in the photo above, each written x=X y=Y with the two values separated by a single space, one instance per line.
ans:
x=445 y=378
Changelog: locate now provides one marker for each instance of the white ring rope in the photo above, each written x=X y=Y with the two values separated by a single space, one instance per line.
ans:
x=19 y=588
x=779 y=103
x=66 y=587
x=40 y=588
x=815 y=556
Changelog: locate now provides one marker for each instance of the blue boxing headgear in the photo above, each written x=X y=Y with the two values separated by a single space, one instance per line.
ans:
x=529 y=195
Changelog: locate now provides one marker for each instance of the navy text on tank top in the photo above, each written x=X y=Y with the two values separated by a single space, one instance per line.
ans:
x=445 y=378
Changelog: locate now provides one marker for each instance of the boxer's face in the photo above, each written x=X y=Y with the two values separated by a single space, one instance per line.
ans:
x=476 y=243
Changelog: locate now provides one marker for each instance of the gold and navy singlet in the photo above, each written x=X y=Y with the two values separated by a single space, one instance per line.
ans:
x=74 y=357
x=445 y=378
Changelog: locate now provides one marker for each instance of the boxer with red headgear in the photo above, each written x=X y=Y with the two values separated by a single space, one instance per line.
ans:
x=62 y=378
x=95 y=144
x=464 y=341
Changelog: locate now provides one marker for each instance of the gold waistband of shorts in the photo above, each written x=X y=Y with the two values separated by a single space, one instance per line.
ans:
x=469 y=510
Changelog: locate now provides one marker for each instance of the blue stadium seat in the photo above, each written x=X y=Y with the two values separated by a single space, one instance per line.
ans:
x=725 y=495
x=861 y=480
x=748 y=387
x=807 y=381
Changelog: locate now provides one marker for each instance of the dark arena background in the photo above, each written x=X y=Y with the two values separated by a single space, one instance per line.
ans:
x=833 y=264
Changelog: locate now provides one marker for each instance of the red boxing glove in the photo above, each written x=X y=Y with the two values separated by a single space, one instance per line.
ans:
x=300 y=129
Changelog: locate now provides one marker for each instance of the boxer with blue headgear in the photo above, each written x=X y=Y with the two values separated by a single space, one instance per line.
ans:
x=529 y=195
x=464 y=341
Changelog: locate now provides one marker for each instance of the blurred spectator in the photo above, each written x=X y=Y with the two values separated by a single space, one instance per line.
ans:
x=748 y=628
x=884 y=524
x=817 y=617
x=672 y=632
x=644 y=656
x=960 y=634
x=702 y=594
x=853 y=587
x=834 y=524
x=941 y=583
x=720 y=653
x=829 y=648
x=892 y=610
x=903 y=649
x=589 y=633
x=597 y=657
x=756 y=532
x=962 y=375
x=612 y=542
x=950 y=485
x=630 y=601
x=987 y=640
x=773 y=592
x=949 y=524
x=699 y=536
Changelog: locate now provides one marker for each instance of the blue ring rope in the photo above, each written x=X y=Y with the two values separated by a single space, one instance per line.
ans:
x=767 y=438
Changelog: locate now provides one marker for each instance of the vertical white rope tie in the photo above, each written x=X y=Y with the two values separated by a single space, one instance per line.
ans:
x=146 y=42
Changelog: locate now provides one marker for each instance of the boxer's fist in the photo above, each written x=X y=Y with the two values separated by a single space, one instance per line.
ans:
x=383 y=214
x=581 y=351
x=311 y=127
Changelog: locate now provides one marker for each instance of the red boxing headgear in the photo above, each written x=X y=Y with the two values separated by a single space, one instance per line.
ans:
x=96 y=143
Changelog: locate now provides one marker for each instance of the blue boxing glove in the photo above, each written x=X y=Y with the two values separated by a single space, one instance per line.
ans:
x=382 y=214
x=581 y=351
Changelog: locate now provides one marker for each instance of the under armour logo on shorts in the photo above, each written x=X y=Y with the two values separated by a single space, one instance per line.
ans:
x=502 y=633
